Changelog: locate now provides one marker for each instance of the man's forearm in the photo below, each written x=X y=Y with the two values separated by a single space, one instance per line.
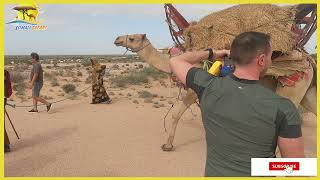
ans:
x=180 y=65
x=34 y=78
x=192 y=57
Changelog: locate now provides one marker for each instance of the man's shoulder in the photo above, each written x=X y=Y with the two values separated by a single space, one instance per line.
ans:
x=279 y=102
x=285 y=104
x=262 y=93
x=199 y=77
x=38 y=65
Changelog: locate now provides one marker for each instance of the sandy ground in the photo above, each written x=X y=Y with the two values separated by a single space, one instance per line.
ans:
x=120 y=139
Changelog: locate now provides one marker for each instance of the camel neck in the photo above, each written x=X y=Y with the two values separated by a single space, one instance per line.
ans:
x=148 y=51
x=151 y=56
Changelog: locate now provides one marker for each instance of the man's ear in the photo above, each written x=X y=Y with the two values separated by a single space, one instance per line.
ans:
x=261 y=59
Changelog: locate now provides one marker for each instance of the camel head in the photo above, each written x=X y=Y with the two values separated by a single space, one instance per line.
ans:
x=133 y=42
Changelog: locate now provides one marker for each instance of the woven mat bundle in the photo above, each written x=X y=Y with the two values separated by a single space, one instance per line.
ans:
x=218 y=29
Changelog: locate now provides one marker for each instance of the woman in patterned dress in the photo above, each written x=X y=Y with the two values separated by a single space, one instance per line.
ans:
x=99 y=94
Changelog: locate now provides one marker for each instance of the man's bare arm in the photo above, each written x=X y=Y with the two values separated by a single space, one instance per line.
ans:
x=180 y=65
x=35 y=76
x=291 y=147
x=31 y=83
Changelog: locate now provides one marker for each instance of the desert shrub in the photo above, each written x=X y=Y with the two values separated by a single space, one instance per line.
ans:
x=79 y=73
x=153 y=73
x=88 y=79
x=17 y=77
x=76 y=80
x=54 y=82
x=69 y=73
x=137 y=77
x=19 y=88
x=47 y=97
x=49 y=76
x=68 y=88
x=145 y=94
x=148 y=100
x=130 y=78
x=21 y=67
x=58 y=73
x=86 y=63
x=115 y=66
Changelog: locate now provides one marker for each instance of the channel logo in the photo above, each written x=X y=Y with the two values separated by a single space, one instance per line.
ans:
x=27 y=17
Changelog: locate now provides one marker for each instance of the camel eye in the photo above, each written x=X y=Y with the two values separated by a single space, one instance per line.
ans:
x=131 y=39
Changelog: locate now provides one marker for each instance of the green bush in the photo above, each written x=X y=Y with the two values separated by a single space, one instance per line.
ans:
x=153 y=73
x=137 y=77
x=17 y=77
x=131 y=78
x=49 y=76
x=54 y=82
x=86 y=63
x=68 y=88
x=145 y=94
x=19 y=88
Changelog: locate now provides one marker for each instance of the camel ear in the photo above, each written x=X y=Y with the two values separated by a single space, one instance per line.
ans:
x=144 y=36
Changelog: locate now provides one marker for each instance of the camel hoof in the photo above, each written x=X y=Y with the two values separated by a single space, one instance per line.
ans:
x=166 y=147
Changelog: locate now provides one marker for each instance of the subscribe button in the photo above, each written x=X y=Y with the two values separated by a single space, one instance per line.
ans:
x=284 y=167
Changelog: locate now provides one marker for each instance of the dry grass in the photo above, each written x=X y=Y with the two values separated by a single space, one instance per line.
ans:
x=54 y=82
x=17 y=77
x=86 y=63
x=145 y=94
x=218 y=29
x=136 y=77
x=69 y=88
x=19 y=88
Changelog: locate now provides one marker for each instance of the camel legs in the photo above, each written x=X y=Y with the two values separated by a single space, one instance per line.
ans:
x=178 y=111
x=309 y=100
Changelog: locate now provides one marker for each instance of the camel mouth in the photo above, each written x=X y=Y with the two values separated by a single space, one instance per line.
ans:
x=117 y=43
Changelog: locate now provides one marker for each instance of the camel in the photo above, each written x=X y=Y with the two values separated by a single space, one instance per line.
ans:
x=303 y=93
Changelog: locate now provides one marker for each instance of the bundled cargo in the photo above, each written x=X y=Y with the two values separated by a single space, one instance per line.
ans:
x=218 y=29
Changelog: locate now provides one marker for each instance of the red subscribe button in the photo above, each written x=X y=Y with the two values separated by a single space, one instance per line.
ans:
x=284 y=165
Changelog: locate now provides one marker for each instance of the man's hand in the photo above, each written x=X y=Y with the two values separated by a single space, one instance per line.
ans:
x=180 y=65
x=221 y=53
x=29 y=85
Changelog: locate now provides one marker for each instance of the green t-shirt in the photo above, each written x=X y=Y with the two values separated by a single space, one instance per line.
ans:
x=37 y=69
x=242 y=120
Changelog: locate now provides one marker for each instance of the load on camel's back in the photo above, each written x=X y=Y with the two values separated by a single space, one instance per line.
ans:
x=292 y=67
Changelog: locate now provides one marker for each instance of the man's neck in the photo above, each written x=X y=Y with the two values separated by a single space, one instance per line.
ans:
x=246 y=73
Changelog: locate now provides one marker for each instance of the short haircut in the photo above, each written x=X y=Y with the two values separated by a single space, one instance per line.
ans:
x=35 y=56
x=247 y=45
